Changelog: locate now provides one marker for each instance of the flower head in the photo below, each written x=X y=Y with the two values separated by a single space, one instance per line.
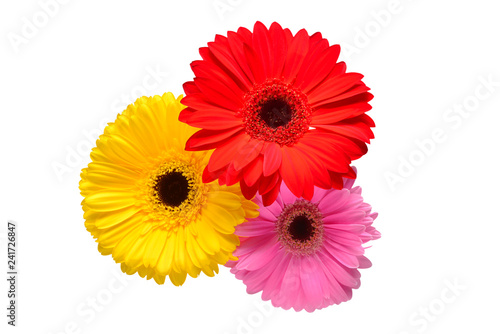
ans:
x=306 y=254
x=146 y=204
x=276 y=106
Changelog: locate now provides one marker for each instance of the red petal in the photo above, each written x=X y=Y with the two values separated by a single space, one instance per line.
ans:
x=248 y=192
x=367 y=120
x=355 y=127
x=352 y=131
x=320 y=68
x=198 y=101
x=334 y=86
x=208 y=176
x=288 y=36
x=316 y=37
x=253 y=171
x=223 y=155
x=209 y=139
x=210 y=119
x=357 y=89
x=318 y=170
x=316 y=47
x=222 y=178
x=232 y=176
x=225 y=59
x=327 y=150
x=297 y=51
x=190 y=88
x=352 y=147
x=256 y=64
x=308 y=191
x=272 y=158
x=269 y=197
x=339 y=69
x=337 y=181
x=292 y=171
x=210 y=71
x=336 y=113
x=269 y=182
x=186 y=114
x=236 y=45
x=218 y=94
x=278 y=50
x=351 y=174
x=245 y=34
x=247 y=153
x=205 y=53
x=262 y=47
x=358 y=149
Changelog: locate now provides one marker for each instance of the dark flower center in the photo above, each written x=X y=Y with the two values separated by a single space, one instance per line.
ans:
x=301 y=228
x=173 y=188
x=276 y=113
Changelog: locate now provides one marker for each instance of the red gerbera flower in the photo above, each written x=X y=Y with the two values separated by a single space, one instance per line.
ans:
x=275 y=107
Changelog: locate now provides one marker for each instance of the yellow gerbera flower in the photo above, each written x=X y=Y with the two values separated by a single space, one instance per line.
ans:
x=146 y=204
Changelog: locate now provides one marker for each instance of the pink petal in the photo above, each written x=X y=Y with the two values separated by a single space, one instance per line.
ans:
x=333 y=201
x=255 y=228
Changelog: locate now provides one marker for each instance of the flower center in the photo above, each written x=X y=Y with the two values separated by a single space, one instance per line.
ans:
x=300 y=228
x=276 y=112
x=174 y=192
x=173 y=188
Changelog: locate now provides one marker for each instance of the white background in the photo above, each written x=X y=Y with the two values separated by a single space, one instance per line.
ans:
x=439 y=219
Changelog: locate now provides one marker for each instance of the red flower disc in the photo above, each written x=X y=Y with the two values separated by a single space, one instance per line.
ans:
x=275 y=107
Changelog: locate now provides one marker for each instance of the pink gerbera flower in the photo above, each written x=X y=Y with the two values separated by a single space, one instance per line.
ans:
x=306 y=254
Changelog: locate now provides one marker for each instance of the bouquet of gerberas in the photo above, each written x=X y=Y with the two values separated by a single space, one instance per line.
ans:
x=251 y=169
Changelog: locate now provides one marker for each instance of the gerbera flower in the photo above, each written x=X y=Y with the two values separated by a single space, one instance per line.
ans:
x=145 y=201
x=306 y=254
x=276 y=106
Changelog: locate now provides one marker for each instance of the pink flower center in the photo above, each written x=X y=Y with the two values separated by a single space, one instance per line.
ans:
x=277 y=112
x=300 y=227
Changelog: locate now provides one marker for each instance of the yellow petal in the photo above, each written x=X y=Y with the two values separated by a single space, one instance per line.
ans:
x=219 y=218
x=207 y=271
x=190 y=247
x=110 y=200
x=177 y=278
x=159 y=279
x=227 y=200
x=135 y=255
x=110 y=237
x=167 y=256
x=228 y=242
x=207 y=238
x=251 y=209
x=155 y=247
x=105 y=220
x=122 y=248
x=180 y=252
